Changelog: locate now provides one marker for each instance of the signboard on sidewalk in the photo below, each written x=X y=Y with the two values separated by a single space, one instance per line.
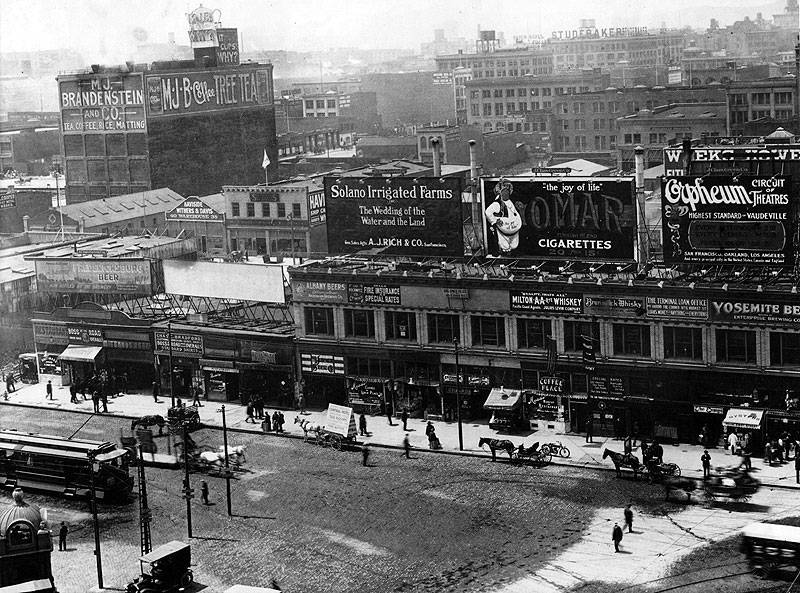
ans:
x=341 y=421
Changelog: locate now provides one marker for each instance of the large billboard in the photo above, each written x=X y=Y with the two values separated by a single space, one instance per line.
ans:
x=727 y=220
x=102 y=103
x=195 y=210
x=394 y=216
x=575 y=218
x=733 y=155
x=107 y=276
x=243 y=282
x=234 y=87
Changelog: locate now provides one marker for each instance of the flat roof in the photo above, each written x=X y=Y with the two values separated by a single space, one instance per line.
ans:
x=105 y=247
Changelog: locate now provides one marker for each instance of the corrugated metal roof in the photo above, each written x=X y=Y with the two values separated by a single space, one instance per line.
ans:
x=119 y=208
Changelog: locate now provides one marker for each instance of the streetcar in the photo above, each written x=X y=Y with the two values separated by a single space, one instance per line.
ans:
x=771 y=547
x=62 y=466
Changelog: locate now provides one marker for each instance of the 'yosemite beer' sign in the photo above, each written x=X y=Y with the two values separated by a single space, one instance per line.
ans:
x=583 y=218
x=395 y=216
x=725 y=220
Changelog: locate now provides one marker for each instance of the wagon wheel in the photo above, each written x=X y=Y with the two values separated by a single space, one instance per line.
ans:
x=563 y=451
x=336 y=442
x=515 y=458
x=546 y=457
x=186 y=579
x=545 y=448
x=740 y=496
x=672 y=469
x=766 y=570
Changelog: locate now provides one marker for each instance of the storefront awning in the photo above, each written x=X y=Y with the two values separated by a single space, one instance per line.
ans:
x=503 y=399
x=743 y=418
x=80 y=353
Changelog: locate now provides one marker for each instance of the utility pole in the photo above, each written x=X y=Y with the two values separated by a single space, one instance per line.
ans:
x=188 y=492
x=171 y=372
x=97 y=556
x=458 y=397
x=227 y=465
x=144 y=510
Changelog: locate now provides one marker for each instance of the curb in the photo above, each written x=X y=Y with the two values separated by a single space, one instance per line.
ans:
x=377 y=445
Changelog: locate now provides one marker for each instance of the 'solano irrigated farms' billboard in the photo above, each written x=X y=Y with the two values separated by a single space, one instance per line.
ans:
x=581 y=218
x=724 y=220
x=394 y=216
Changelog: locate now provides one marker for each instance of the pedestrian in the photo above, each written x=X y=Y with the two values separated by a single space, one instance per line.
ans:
x=276 y=421
x=281 y=420
x=104 y=399
x=389 y=413
x=705 y=458
x=258 y=407
x=406 y=447
x=204 y=491
x=49 y=389
x=657 y=452
x=96 y=401
x=198 y=393
x=627 y=445
x=404 y=418
x=124 y=381
x=797 y=468
x=628 y=518
x=433 y=440
x=362 y=425
x=83 y=387
x=616 y=535
x=635 y=433
x=266 y=423
x=62 y=537
x=250 y=413
x=156 y=391
x=364 y=454
x=73 y=394
x=747 y=452
x=732 y=442
x=589 y=429
x=10 y=387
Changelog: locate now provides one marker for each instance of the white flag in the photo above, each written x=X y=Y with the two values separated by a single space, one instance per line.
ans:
x=265 y=162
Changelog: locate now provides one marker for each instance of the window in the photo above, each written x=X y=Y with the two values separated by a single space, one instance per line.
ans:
x=683 y=342
x=309 y=104
x=319 y=321
x=535 y=92
x=598 y=107
x=265 y=213
x=579 y=108
x=281 y=210
x=488 y=331
x=784 y=349
x=251 y=209
x=487 y=109
x=522 y=93
x=235 y=209
x=510 y=92
x=613 y=107
x=783 y=98
x=401 y=325
x=359 y=323
x=296 y=210
x=531 y=333
x=653 y=138
x=498 y=93
x=736 y=345
x=475 y=110
x=737 y=99
x=580 y=124
x=562 y=108
x=486 y=94
x=547 y=92
x=564 y=125
x=368 y=367
x=331 y=103
x=442 y=328
x=498 y=109
x=320 y=104
x=631 y=340
x=761 y=99
x=573 y=330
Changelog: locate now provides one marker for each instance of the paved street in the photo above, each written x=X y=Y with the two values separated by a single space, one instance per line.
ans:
x=316 y=520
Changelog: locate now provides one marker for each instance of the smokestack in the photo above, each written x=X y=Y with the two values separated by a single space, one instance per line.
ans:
x=437 y=158
x=797 y=79
x=638 y=153
x=641 y=220
x=477 y=215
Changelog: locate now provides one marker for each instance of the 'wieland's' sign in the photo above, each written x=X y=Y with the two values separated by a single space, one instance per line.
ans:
x=727 y=220
x=394 y=216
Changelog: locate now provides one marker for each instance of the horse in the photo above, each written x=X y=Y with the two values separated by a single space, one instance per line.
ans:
x=148 y=421
x=678 y=484
x=619 y=460
x=308 y=426
x=495 y=444
x=235 y=452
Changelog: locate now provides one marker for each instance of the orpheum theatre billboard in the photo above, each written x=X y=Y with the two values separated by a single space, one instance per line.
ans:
x=102 y=103
x=727 y=220
x=576 y=218
x=395 y=216
x=183 y=92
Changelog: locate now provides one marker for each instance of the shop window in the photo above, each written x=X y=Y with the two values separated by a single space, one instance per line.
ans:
x=488 y=331
x=359 y=323
x=683 y=342
x=573 y=332
x=784 y=349
x=319 y=321
x=443 y=328
x=401 y=325
x=631 y=340
x=532 y=333
x=736 y=345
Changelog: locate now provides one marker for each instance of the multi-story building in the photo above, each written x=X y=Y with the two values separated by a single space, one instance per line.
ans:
x=757 y=36
x=360 y=107
x=751 y=100
x=594 y=47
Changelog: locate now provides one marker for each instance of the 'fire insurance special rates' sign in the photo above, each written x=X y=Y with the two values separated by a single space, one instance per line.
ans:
x=717 y=220
x=576 y=218
x=397 y=216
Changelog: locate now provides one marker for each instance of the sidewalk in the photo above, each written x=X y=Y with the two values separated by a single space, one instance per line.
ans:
x=383 y=435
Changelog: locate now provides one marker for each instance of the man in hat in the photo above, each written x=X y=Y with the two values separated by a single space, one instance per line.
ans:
x=616 y=536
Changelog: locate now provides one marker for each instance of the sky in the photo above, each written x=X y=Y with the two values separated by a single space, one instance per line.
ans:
x=105 y=29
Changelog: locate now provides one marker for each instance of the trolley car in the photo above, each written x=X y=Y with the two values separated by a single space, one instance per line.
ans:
x=63 y=466
x=771 y=548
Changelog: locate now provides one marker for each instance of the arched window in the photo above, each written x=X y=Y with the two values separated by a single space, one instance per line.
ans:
x=20 y=535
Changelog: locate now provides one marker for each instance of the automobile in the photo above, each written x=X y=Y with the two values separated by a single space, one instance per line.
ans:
x=168 y=570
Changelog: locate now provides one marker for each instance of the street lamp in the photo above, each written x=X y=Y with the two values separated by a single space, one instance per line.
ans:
x=227 y=465
x=458 y=396
x=92 y=464
x=55 y=175
x=187 y=489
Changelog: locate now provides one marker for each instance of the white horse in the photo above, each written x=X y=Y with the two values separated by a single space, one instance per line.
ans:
x=309 y=426
x=236 y=452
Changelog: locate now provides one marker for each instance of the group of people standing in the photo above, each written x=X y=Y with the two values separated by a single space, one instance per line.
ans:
x=255 y=411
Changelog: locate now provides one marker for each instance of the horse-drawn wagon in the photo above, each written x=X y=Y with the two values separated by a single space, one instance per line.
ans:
x=734 y=484
x=338 y=432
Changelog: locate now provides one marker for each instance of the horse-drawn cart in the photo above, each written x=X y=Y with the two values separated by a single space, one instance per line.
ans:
x=533 y=455
x=340 y=428
x=734 y=484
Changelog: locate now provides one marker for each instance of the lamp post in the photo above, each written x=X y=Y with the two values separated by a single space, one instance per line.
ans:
x=97 y=556
x=458 y=396
x=187 y=489
x=56 y=174
x=227 y=465
x=171 y=370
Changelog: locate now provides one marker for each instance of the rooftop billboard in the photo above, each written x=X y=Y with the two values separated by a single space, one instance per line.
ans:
x=107 y=276
x=102 y=103
x=243 y=282
x=394 y=216
x=575 y=218
x=727 y=220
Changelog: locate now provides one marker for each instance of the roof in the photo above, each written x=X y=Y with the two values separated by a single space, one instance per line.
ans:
x=502 y=399
x=214 y=201
x=164 y=550
x=773 y=531
x=582 y=167
x=654 y=172
x=387 y=141
x=42 y=182
x=13 y=267
x=106 y=247
x=118 y=208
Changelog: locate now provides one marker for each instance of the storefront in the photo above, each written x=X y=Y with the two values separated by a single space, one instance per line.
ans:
x=324 y=379
x=80 y=363
x=506 y=408
x=182 y=350
x=747 y=423
x=221 y=379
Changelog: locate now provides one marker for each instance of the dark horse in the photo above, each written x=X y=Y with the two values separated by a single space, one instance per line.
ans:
x=621 y=460
x=148 y=421
x=495 y=444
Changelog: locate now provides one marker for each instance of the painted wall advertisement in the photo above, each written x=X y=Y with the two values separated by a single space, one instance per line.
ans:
x=724 y=220
x=322 y=364
x=194 y=209
x=343 y=292
x=320 y=292
x=7 y=200
x=85 y=335
x=606 y=387
x=373 y=294
x=228 y=50
x=50 y=333
x=395 y=216
x=110 y=276
x=102 y=103
x=208 y=90
x=316 y=208
x=189 y=345
x=530 y=301
x=608 y=306
x=677 y=308
x=583 y=218
x=750 y=311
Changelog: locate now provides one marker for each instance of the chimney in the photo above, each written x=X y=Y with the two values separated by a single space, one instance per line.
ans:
x=82 y=225
x=642 y=251
x=25 y=221
x=475 y=206
x=437 y=158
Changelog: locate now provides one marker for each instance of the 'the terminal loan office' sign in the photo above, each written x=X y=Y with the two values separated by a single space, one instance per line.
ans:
x=727 y=220
x=575 y=218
